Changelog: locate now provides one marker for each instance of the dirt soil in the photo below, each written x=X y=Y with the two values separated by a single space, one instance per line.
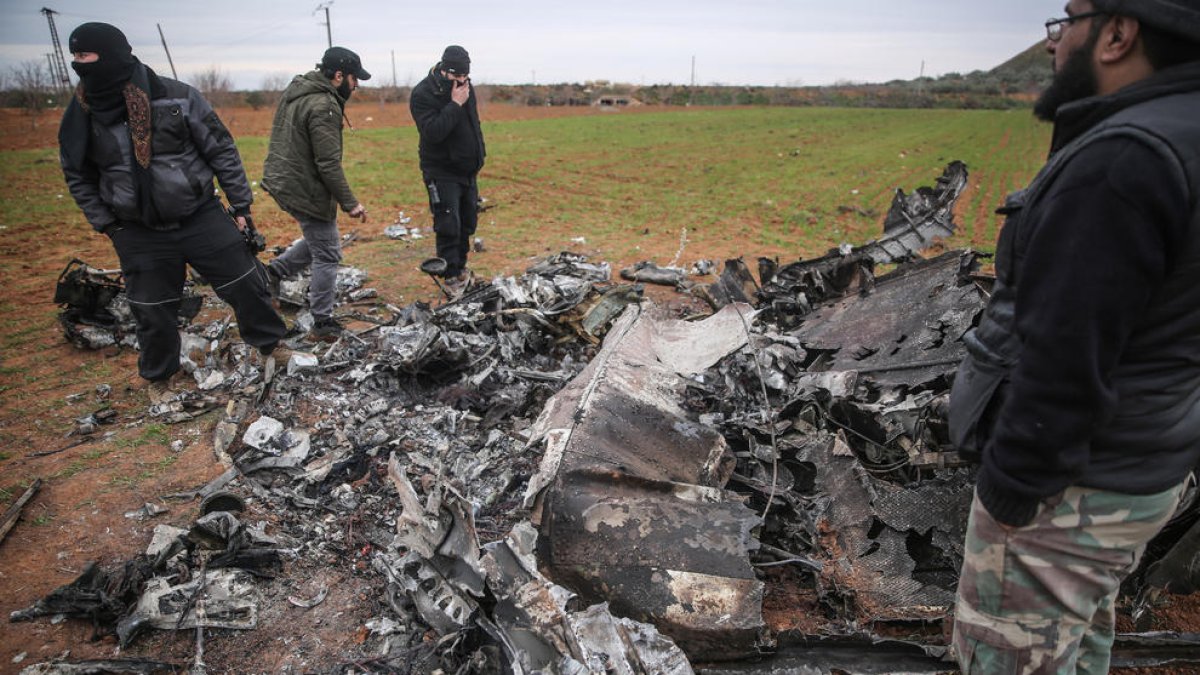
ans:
x=79 y=515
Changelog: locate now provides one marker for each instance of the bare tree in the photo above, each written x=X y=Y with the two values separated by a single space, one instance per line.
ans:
x=216 y=86
x=275 y=82
x=31 y=80
x=272 y=88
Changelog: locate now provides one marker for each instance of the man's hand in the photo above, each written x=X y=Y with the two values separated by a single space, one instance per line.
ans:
x=359 y=212
x=241 y=223
x=461 y=92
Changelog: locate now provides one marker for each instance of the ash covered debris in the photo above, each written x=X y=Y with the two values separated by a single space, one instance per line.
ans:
x=549 y=475
x=451 y=389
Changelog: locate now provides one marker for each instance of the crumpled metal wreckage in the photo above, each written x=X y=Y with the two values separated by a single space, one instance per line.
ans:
x=585 y=484
x=95 y=313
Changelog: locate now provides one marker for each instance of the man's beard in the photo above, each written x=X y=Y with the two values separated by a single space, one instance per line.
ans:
x=1075 y=81
x=345 y=90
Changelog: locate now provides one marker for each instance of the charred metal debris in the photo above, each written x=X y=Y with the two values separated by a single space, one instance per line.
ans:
x=551 y=475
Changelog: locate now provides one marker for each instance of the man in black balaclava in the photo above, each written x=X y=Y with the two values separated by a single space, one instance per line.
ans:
x=452 y=153
x=106 y=71
x=303 y=172
x=139 y=153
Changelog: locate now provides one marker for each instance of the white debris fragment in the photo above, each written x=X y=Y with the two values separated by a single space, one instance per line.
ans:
x=302 y=363
x=164 y=536
x=262 y=431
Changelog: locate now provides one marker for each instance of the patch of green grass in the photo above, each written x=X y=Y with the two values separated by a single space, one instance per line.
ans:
x=151 y=434
x=5 y=455
x=73 y=469
x=42 y=519
x=145 y=472
x=96 y=453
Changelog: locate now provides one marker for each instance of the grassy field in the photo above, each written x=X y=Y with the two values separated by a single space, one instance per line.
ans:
x=749 y=181
x=746 y=181
x=780 y=182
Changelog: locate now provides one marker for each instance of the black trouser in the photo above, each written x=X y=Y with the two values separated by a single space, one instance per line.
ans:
x=454 y=220
x=154 y=263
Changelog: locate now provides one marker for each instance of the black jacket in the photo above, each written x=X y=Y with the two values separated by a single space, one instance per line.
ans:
x=1094 y=327
x=451 y=140
x=189 y=145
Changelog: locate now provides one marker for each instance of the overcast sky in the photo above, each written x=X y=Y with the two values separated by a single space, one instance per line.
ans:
x=756 y=42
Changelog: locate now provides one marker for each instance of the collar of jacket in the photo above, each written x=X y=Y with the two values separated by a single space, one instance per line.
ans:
x=1076 y=117
x=440 y=82
x=312 y=82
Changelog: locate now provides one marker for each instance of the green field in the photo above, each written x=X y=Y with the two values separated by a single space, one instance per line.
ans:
x=753 y=181
x=742 y=181
x=622 y=187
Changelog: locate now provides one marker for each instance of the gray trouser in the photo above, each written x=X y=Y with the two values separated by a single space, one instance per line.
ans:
x=321 y=248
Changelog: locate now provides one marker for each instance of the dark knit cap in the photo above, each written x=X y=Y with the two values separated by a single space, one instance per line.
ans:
x=456 y=60
x=1178 y=17
x=340 y=58
x=104 y=39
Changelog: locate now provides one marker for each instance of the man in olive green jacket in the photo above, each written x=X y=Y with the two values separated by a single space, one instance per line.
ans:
x=303 y=172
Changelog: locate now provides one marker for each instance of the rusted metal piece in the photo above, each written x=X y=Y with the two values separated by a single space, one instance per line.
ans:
x=628 y=494
x=884 y=545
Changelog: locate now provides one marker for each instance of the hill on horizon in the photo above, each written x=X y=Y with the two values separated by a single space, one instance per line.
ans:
x=1030 y=70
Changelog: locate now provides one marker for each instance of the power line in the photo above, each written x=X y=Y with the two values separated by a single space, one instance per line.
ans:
x=167 y=50
x=328 y=27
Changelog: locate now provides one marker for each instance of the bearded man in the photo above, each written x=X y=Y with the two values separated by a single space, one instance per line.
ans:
x=303 y=172
x=139 y=153
x=1081 y=390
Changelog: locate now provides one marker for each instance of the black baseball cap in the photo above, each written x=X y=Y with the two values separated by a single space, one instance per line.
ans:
x=1178 y=17
x=340 y=58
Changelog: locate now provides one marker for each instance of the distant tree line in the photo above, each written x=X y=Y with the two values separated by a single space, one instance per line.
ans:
x=1013 y=84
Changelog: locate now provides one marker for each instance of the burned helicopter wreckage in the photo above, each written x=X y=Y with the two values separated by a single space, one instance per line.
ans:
x=557 y=477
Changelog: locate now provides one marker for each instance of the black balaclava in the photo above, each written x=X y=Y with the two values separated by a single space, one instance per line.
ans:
x=104 y=79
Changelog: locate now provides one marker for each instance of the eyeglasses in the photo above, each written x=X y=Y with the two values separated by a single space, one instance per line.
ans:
x=1054 y=27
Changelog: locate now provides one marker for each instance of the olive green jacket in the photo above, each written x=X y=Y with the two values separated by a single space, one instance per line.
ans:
x=303 y=171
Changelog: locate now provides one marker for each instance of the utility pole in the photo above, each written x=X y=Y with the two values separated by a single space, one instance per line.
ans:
x=328 y=28
x=58 y=64
x=693 y=71
x=168 y=51
x=393 y=69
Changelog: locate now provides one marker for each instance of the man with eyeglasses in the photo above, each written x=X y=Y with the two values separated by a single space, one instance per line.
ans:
x=451 y=149
x=1080 y=394
x=303 y=173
